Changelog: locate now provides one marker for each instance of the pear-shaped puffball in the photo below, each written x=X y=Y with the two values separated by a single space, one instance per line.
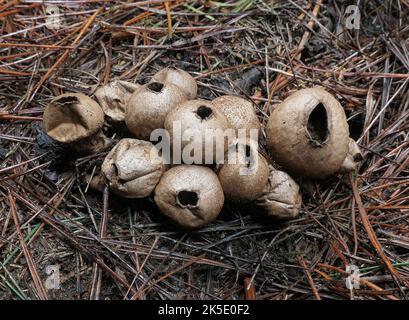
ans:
x=179 y=78
x=244 y=174
x=240 y=114
x=308 y=135
x=200 y=128
x=76 y=120
x=148 y=106
x=133 y=168
x=190 y=195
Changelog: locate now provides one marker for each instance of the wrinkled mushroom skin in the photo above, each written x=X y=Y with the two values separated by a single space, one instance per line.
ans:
x=244 y=174
x=281 y=197
x=239 y=112
x=76 y=120
x=133 y=168
x=179 y=78
x=206 y=122
x=113 y=97
x=308 y=135
x=353 y=157
x=190 y=195
x=148 y=106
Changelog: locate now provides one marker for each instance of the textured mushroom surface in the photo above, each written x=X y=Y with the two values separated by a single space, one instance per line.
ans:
x=71 y=117
x=148 y=106
x=353 y=157
x=244 y=174
x=133 y=168
x=113 y=97
x=200 y=128
x=190 y=195
x=281 y=197
x=179 y=78
x=239 y=112
x=307 y=134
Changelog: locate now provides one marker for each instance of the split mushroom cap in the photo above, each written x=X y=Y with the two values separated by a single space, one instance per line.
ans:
x=133 y=168
x=148 y=106
x=75 y=119
x=281 y=197
x=353 y=157
x=179 y=78
x=244 y=174
x=308 y=134
x=200 y=128
x=113 y=98
x=239 y=112
x=71 y=117
x=190 y=195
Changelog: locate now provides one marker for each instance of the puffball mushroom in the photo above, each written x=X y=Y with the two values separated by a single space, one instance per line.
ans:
x=133 y=168
x=179 y=78
x=190 y=195
x=244 y=174
x=353 y=157
x=239 y=112
x=308 y=134
x=113 y=97
x=200 y=129
x=281 y=197
x=75 y=120
x=148 y=106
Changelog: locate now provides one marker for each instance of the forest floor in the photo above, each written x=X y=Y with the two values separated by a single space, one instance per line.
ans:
x=262 y=50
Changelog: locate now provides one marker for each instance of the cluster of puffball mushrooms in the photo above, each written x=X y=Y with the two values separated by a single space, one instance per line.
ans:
x=307 y=136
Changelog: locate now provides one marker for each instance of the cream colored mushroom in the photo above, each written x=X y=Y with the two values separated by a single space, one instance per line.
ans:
x=281 y=197
x=75 y=120
x=240 y=114
x=199 y=127
x=133 y=168
x=190 y=195
x=148 y=106
x=244 y=174
x=308 y=135
x=179 y=78
x=114 y=96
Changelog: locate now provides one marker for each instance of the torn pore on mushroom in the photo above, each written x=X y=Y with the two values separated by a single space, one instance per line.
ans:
x=190 y=195
x=202 y=131
x=307 y=134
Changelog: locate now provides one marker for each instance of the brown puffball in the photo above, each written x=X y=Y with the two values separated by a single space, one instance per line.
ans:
x=354 y=155
x=199 y=127
x=133 y=168
x=75 y=120
x=239 y=112
x=307 y=134
x=113 y=97
x=281 y=197
x=148 y=106
x=179 y=78
x=244 y=174
x=190 y=195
